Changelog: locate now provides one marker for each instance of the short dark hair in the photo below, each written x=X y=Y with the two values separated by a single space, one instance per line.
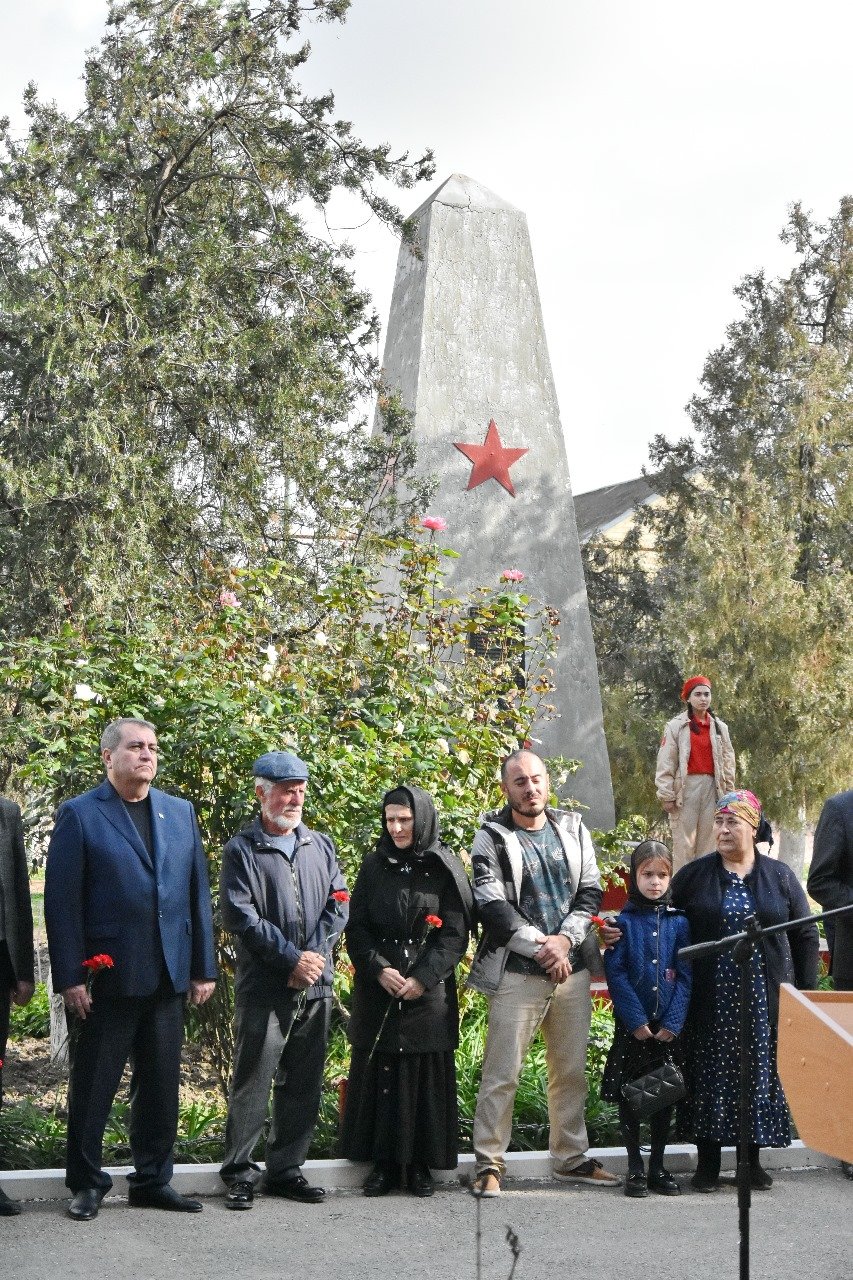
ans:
x=514 y=755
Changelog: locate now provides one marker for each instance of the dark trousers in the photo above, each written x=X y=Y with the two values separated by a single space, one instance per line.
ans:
x=7 y=983
x=659 y=1126
x=148 y=1031
x=272 y=1045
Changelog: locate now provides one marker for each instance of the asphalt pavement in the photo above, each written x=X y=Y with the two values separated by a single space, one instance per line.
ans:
x=801 y=1228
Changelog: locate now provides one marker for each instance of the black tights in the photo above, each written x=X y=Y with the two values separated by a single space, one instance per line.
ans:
x=658 y=1130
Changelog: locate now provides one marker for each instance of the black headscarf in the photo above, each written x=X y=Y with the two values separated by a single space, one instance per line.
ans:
x=425 y=836
x=648 y=851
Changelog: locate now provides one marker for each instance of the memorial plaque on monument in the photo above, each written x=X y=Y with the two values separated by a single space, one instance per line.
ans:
x=466 y=349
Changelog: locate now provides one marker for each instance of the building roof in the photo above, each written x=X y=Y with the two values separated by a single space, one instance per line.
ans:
x=598 y=510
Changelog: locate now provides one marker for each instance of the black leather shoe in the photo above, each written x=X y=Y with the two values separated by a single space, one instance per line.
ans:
x=162 y=1198
x=295 y=1189
x=420 y=1181
x=759 y=1179
x=381 y=1179
x=239 y=1195
x=84 y=1205
x=636 y=1187
x=663 y=1183
x=705 y=1181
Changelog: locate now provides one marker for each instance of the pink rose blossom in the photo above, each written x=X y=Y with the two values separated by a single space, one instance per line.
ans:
x=435 y=523
x=512 y=575
x=228 y=600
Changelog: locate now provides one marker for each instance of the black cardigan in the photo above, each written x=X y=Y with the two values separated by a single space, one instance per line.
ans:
x=790 y=957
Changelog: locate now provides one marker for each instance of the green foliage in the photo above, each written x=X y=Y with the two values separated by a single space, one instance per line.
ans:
x=370 y=684
x=602 y=1118
x=613 y=848
x=33 y=1139
x=632 y=726
x=33 y=1019
x=182 y=359
x=745 y=572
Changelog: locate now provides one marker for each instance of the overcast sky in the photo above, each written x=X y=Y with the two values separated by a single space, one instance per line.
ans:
x=654 y=148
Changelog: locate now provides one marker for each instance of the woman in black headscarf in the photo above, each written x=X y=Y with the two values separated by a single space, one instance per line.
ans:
x=401 y=1109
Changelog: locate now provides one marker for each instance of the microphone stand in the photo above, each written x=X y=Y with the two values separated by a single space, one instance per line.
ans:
x=743 y=946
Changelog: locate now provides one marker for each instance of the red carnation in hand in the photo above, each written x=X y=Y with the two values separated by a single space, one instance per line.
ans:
x=340 y=895
x=94 y=963
x=600 y=921
x=435 y=921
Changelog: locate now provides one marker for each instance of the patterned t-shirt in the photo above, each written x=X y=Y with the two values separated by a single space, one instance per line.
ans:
x=546 y=889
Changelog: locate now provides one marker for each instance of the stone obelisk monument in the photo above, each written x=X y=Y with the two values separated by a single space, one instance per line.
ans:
x=465 y=347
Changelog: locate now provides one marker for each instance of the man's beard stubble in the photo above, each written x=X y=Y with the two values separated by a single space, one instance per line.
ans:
x=529 y=808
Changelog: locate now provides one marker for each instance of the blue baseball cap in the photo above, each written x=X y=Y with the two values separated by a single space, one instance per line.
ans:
x=280 y=766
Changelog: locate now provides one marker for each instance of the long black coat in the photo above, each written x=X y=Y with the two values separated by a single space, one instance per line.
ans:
x=790 y=957
x=389 y=903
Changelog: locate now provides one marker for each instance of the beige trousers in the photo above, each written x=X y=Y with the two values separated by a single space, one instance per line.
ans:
x=692 y=825
x=514 y=1014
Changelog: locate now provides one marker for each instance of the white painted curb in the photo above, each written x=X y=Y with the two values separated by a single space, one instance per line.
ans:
x=343 y=1175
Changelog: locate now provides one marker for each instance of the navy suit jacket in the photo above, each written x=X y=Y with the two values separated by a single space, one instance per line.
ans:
x=104 y=894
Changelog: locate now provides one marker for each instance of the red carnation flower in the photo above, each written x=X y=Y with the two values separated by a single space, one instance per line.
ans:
x=94 y=963
x=340 y=895
x=435 y=921
x=600 y=921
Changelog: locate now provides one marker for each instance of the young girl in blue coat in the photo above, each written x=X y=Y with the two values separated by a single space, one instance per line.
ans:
x=650 y=990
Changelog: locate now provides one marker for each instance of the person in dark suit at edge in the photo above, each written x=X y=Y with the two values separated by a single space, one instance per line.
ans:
x=127 y=877
x=830 y=883
x=16 y=938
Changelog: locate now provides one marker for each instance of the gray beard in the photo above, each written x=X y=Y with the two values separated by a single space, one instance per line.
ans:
x=285 y=825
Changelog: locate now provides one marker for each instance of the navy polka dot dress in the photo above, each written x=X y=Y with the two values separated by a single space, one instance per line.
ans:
x=717 y=1081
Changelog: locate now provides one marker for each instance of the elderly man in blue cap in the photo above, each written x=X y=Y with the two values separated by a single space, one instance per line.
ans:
x=283 y=897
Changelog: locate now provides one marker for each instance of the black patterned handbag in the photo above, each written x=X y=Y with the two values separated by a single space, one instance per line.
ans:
x=650 y=1093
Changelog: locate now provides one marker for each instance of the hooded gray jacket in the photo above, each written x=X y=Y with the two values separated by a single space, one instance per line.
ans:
x=497 y=862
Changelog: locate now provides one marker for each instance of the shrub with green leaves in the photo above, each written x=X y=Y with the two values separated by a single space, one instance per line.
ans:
x=372 y=676
x=33 y=1020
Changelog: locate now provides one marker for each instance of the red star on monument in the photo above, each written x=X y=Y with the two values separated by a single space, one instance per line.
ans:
x=491 y=459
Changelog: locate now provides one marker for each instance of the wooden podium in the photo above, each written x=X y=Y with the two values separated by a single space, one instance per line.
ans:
x=815 y=1057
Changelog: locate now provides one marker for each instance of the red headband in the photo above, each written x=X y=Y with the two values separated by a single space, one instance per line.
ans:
x=691 y=684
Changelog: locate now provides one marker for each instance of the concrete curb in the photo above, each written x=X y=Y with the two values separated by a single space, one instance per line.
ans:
x=344 y=1175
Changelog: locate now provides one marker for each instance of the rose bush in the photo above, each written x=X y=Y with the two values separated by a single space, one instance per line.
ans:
x=371 y=675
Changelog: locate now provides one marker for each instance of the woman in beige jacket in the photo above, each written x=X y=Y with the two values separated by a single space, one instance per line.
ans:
x=695 y=766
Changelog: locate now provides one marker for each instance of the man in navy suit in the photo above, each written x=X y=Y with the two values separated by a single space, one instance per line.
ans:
x=127 y=877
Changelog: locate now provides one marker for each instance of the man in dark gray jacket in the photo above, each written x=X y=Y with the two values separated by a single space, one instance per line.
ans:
x=16 y=937
x=283 y=897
